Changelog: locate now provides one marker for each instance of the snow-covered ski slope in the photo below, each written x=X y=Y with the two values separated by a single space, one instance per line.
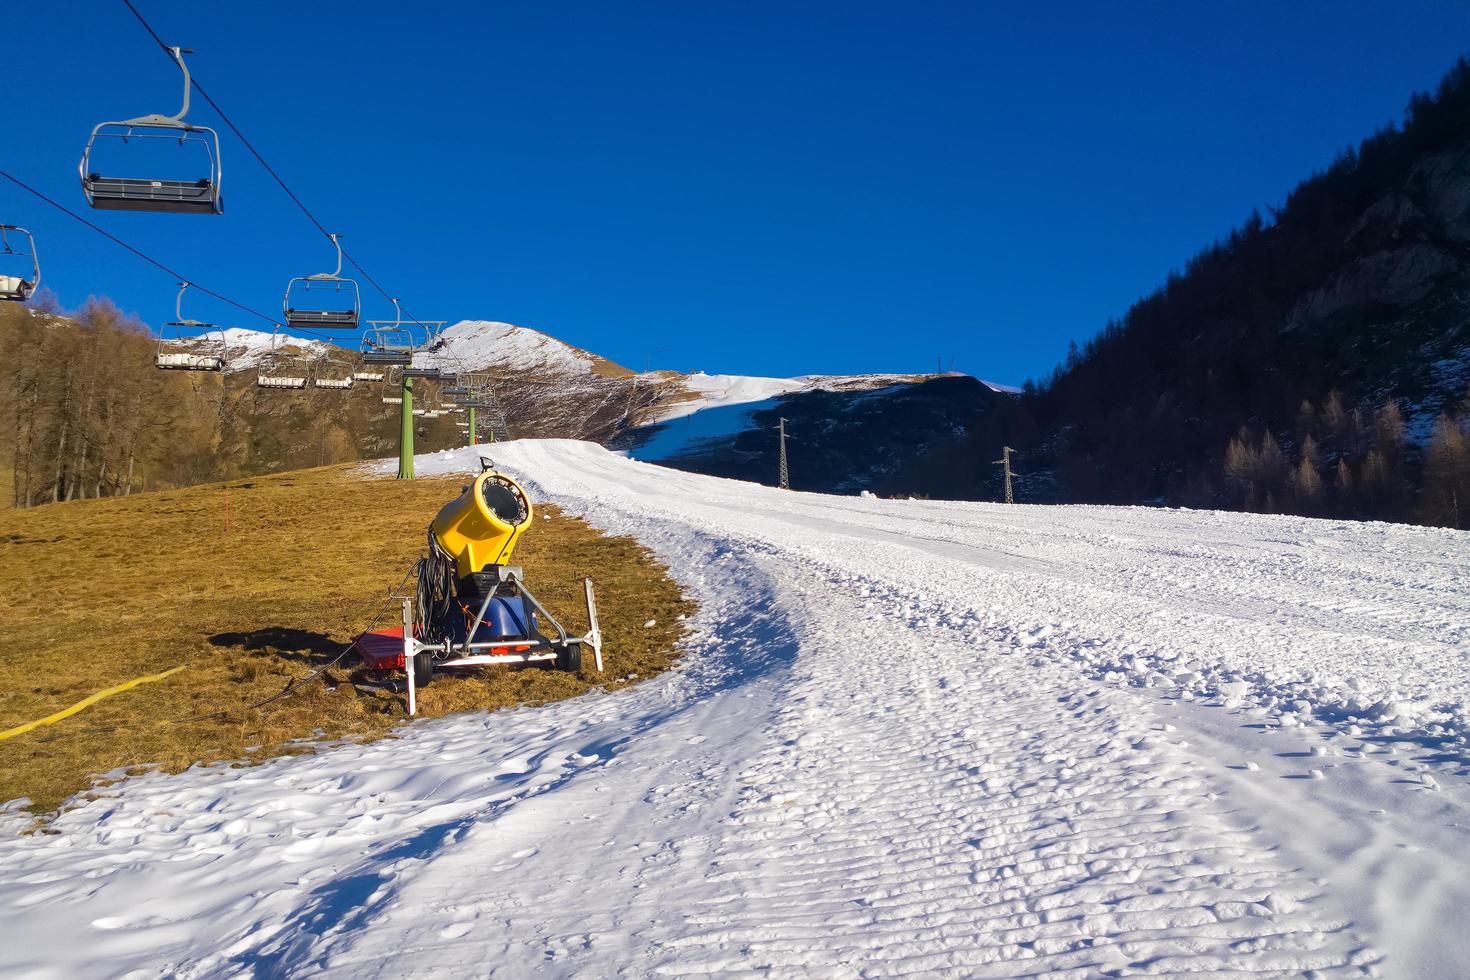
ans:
x=909 y=738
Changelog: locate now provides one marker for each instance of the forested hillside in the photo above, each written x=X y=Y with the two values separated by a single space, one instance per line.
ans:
x=88 y=415
x=1314 y=362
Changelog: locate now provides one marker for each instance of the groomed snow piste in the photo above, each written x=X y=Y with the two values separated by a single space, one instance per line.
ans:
x=908 y=738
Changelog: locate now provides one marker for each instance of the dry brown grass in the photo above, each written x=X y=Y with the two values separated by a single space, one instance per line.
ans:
x=93 y=593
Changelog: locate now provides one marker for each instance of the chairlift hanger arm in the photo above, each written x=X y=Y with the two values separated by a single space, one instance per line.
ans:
x=337 y=273
x=179 y=310
x=175 y=121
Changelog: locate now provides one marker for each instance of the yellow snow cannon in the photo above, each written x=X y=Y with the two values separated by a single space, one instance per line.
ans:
x=483 y=524
x=470 y=606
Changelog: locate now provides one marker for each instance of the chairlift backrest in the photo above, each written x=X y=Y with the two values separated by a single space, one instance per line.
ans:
x=17 y=288
x=197 y=196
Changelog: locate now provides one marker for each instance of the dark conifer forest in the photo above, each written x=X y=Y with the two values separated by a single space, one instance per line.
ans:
x=1314 y=361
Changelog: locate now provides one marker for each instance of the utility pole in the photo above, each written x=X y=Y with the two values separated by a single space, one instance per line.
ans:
x=405 y=432
x=785 y=476
x=473 y=440
x=1005 y=460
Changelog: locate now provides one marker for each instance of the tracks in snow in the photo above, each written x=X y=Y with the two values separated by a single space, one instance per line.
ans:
x=890 y=752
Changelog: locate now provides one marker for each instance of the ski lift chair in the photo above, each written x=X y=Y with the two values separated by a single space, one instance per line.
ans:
x=431 y=403
x=387 y=345
x=280 y=370
x=189 y=345
x=366 y=373
x=427 y=373
x=197 y=196
x=393 y=387
x=304 y=304
x=13 y=287
x=330 y=372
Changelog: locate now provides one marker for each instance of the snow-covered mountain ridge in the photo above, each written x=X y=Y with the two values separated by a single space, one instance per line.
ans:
x=508 y=350
x=857 y=432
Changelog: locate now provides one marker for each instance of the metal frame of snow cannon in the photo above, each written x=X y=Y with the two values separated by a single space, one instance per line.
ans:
x=485 y=653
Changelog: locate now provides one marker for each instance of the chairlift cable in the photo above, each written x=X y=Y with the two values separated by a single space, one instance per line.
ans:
x=179 y=276
x=262 y=161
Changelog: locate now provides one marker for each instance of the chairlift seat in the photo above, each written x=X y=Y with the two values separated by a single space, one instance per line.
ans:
x=16 y=288
x=337 y=383
x=380 y=355
x=430 y=373
x=280 y=381
x=182 y=361
x=392 y=400
x=136 y=194
x=367 y=375
x=344 y=319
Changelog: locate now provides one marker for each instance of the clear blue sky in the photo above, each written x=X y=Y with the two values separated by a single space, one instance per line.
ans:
x=760 y=188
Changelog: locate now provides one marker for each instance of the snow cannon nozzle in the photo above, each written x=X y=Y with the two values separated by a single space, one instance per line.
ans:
x=482 y=526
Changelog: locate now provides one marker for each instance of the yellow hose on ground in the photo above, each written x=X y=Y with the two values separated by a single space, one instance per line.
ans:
x=87 y=702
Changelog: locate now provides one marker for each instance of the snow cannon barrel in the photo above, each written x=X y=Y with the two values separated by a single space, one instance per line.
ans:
x=482 y=525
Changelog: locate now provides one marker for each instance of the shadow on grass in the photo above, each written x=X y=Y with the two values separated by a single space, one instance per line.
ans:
x=283 y=641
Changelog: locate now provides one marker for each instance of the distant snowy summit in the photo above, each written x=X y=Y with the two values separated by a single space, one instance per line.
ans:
x=490 y=345
x=510 y=350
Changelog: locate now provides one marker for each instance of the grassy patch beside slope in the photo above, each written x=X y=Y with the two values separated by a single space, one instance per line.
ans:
x=251 y=583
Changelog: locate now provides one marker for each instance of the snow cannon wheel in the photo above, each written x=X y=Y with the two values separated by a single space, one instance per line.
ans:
x=569 y=658
x=423 y=669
